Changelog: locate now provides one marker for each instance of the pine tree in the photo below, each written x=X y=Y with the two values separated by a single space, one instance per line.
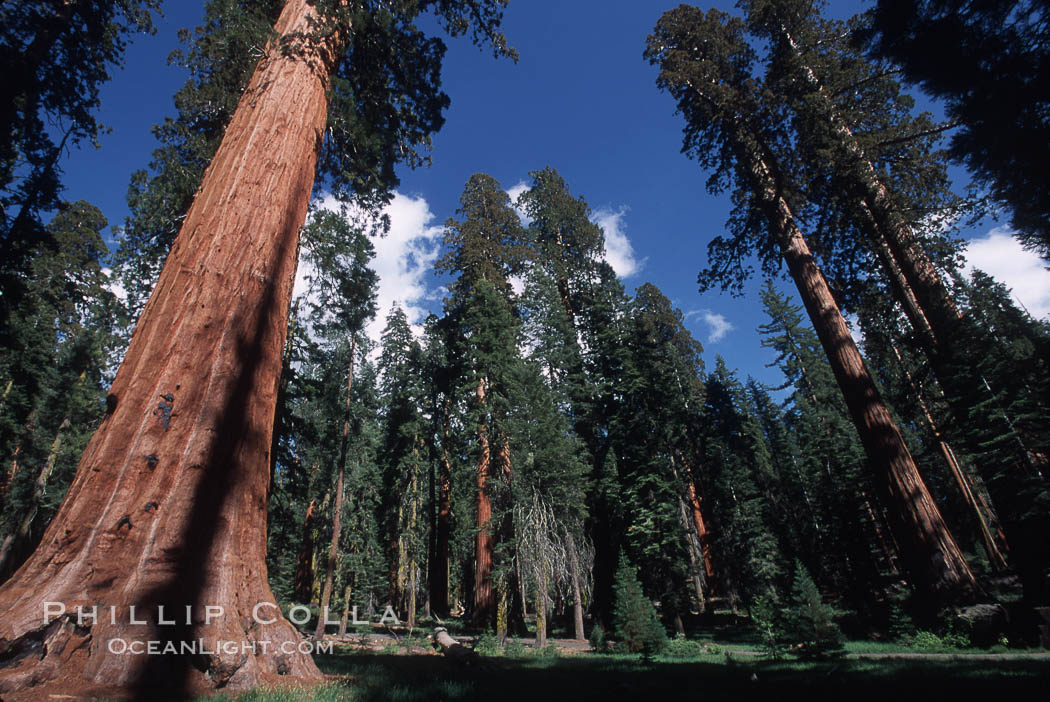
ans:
x=197 y=389
x=983 y=60
x=840 y=531
x=485 y=248
x=656 y=425
x=56 y=56
x=637 y=623
x=706 y=65
x=403 y=459
x=809 y=623
x=737 y=456
x=55 y=375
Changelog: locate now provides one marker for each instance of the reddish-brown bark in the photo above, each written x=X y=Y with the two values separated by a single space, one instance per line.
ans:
x=484 y=599
x=702 y=535
x=168 y=506
x=931 y=556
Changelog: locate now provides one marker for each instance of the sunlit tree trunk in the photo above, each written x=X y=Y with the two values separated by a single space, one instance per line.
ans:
x=168 y=505
x=484 y=602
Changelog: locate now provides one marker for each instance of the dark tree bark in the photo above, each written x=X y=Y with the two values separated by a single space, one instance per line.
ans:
x=303 y=581
x=337 y=507
x=168 y=506
x=931 y=556
x=439 y=564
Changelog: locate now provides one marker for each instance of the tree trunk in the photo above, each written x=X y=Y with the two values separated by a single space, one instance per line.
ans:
x=995 y=556
x=577 y=591
x=208 y=346
x=337 y=507
x=932 y=558
x=484 y=601
x=541 y=604
x=14 y=542
x=346 y=612
x=303 y=580
x=439 y=562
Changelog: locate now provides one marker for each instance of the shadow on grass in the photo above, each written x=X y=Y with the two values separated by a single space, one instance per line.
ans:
x=578 y=678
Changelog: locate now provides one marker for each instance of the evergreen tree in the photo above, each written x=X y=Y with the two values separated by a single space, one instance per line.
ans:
x=55 y=374
x=736 y=455
x=56 y=56
x=485 y=248
x=733 y=126
x=637 y=623
x=809 y=622
x=985 y=61
x=403 y=459
x=654 y=431
x=840 y=527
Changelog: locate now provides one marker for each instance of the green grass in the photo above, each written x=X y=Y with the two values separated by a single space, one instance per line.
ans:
x=371 y=677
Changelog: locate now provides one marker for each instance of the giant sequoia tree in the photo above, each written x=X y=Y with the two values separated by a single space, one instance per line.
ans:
x=734 y=127
x=168 y=507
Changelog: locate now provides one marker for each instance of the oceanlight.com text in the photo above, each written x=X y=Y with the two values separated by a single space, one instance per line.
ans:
x=123 y=647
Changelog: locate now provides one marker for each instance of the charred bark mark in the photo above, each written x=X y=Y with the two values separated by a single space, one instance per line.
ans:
x=163 y=410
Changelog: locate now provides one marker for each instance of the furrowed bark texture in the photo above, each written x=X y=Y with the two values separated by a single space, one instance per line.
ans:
x=168 y=506
x=932 y=557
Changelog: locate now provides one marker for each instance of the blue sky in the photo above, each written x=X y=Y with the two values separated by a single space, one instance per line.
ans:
x=581 y=99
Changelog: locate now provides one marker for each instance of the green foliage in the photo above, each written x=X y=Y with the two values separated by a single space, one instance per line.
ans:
x=766 y=615
x=809 y=623
x=926 y=641
x=514 y=648
x=982 y=60
x=56 y=56
x=599 y=642
x=683 y=648
x=488 y=645
x=637 y=623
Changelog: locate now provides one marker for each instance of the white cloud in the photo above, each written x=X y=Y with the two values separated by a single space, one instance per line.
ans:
x=1001 y=256
x=717 y=325
x=114 y=285
x=618 y=250
x=515 y=192
x=404 y=257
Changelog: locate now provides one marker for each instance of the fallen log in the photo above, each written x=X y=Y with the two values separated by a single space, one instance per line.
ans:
x=451 y=648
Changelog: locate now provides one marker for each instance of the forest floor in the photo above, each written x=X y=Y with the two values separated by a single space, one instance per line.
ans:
x=357 y=675
x=855 y=650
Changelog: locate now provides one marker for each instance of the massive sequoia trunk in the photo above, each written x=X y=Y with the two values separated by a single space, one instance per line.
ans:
x=168 y=506
x=932 y=558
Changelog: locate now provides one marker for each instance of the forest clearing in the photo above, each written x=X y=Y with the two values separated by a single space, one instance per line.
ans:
x=284 y=434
